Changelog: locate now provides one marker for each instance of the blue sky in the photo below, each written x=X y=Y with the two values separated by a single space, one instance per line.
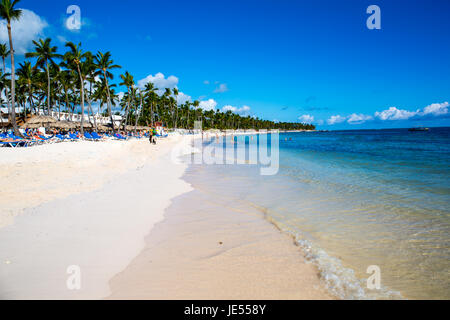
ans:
x=278 y=60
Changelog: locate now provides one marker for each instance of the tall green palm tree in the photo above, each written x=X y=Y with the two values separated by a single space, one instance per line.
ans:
x=188 y=107
x=4 y=53
x=45 y=55
x=9 y=12
x=175 y=93
x=152 y=97
x=88 y=69
x=65 y=78
x=3 y=85
x=27 y=75
x=128 y=81
x=100 y=93
x=196 y=104
x=105 y=64
x=73 y=60
x=138 y=108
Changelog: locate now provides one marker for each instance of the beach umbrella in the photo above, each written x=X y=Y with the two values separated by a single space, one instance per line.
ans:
x=85 y=125
x=41 y=120
x=31 y=125
x=63 y=125
x=103 y=128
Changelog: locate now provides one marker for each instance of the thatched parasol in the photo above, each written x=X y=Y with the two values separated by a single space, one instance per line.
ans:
x=63 y=125
x=31 y=125
x=41 y=120
x=85 y=125
x=103 y=128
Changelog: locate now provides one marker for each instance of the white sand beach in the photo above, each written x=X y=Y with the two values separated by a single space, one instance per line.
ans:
x=86 y=204
x=101 y=206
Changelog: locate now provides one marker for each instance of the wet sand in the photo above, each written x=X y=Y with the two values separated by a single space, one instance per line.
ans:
x=207 y=249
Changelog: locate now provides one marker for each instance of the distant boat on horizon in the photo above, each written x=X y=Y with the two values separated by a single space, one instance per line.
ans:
x=418 y=129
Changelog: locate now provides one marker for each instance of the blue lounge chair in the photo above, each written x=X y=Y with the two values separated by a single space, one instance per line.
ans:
x=73 y=137
x=88 y=136
x=120 y=137
x=96 y=136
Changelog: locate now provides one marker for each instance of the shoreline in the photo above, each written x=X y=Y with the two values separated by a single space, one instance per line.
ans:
x=105 y=228
x=206 y=249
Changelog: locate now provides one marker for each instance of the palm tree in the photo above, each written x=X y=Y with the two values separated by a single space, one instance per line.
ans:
x=104 y=64
x=4 y=53
x=10 y=13
x=45 y=55
x=175 y=93
x=74 y=58
x=100 y=93
x=196 y=104
x=139 y=98
x=27 y=75
x=128 y=81
x=152 y=96
x=66 y=81
x=88 y=74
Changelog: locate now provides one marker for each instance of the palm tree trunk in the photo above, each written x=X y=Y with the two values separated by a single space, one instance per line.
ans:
x=137 y=118
x=30 y=97
x=90 y=106
x=48 y=89
x=8 y=102
x=176 y=116
x=92 y=112
x=187 y=124
x=152 y=117
x=82 y=100
x=13 y=85
x=109 y=102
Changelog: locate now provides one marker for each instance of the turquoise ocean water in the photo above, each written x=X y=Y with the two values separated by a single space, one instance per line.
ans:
x=353 y=199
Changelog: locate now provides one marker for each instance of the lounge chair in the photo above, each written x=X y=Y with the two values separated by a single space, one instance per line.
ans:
x=88 y=136
x=73 y=137
x=120 y=137
x=96 y=136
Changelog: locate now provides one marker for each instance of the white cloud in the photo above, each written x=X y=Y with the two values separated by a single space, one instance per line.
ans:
x=306 y=118
x=228 y=108
x=436 y=109
x=395 y=114
x=336 y=119
x=182 y=98
x=206 y=82
x=208 y=105
x=160 y=82
x=221 y=88
x=243 y=111
x=358 y=118
x=29 y=27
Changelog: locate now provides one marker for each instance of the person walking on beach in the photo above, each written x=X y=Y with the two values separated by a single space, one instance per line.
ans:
x=150 y=134
x=154 y=133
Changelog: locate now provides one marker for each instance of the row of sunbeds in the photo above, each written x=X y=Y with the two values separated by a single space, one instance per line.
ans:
x=11 y=140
